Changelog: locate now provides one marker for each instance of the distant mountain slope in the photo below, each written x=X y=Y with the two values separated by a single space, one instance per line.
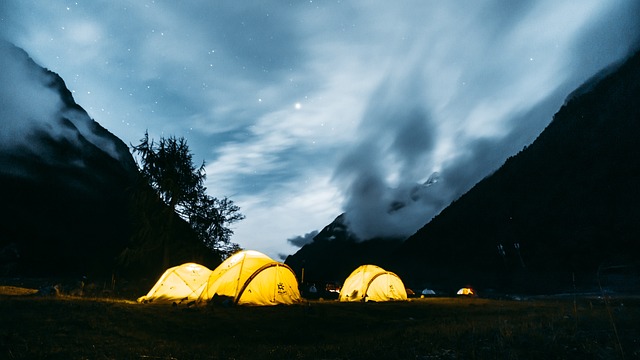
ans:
x=63 y=177
x=67 y=184
x=556 y=213
x=550 y=218
x=335 y=252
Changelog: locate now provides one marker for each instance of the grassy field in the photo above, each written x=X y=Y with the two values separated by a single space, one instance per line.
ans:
x=33 y=327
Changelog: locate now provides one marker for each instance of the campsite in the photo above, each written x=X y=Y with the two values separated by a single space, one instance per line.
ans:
x=250 y=306
x=68 y=327
x=320 y=180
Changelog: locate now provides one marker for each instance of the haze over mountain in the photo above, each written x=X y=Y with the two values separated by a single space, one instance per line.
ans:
x=63 y=177
x=551 y=217
x=67 y=184
x=559 y=212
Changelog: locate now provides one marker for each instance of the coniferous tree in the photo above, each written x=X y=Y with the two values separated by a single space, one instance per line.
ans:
x=167 y=167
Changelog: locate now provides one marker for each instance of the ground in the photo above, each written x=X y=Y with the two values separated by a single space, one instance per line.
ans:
x=66 y=327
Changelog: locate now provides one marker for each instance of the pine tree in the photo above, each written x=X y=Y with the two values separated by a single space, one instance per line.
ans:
x=167 y=167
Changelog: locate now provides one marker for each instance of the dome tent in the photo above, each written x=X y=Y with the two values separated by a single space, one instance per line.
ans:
x=178 y=284
x=251 y=278
x=372 y=283
x=466 y=291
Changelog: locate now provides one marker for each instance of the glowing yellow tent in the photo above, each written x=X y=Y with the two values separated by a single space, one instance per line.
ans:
x=466 y=291
x=178 y=284
x=252 y=278
x=372 y=283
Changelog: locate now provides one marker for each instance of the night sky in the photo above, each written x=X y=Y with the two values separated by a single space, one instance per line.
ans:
x=302 y=110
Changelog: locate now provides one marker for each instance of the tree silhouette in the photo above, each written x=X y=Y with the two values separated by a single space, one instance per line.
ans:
x=167 y=167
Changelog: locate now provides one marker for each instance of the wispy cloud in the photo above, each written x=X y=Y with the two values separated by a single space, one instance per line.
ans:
x=450 y=100
x=304 y=110
x=26 y=101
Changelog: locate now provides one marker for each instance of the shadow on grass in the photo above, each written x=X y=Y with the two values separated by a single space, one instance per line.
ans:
x=437 y=328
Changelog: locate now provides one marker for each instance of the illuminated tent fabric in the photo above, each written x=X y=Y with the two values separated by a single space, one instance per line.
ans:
x=466 y=291
x=372 y=283
x=428 y=292
x=252 y=278
x=178 y=284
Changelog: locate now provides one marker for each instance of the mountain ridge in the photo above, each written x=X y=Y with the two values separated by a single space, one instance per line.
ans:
x=72 y=194
x=526 y=227
x=562 y=207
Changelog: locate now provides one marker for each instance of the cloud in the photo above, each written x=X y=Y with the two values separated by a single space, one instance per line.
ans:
x=300 y=241
x=459 y=104
x=27 y=103
x=31 y=104
x=390 y=93
x=280 y=212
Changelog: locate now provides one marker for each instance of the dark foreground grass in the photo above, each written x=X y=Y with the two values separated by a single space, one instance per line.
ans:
x=441 y=328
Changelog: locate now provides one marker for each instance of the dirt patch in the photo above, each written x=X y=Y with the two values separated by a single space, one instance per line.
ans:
x=16 y=291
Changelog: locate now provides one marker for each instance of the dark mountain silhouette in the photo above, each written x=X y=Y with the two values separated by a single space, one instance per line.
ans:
x=556 y=214
x=67 y=186
x=563 y=211
x=335 y=252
